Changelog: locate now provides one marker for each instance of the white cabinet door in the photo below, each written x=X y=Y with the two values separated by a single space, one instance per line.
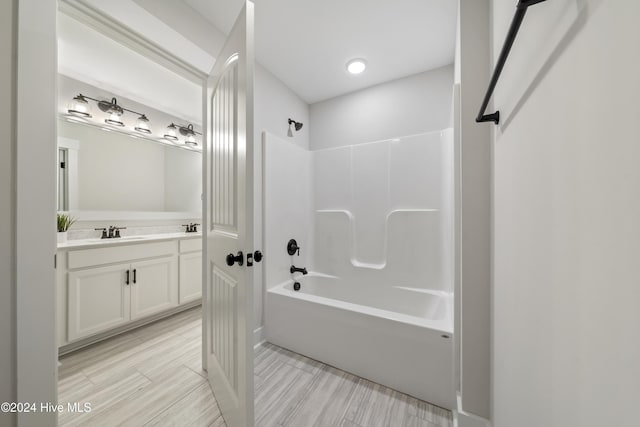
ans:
x=98 y=300
x=190 y=277
x=154 y=286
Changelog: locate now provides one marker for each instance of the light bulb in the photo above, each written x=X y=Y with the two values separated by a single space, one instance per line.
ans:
x=114 y=119
x=79 y=107
x=142 y=125
x=170 y=133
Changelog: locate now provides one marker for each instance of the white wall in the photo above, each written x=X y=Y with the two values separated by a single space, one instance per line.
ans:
x=567 y=232
x=408 y=106
x=274 y=104
x=7 y=208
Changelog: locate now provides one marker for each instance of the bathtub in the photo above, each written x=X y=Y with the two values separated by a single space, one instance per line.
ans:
x=397 y=336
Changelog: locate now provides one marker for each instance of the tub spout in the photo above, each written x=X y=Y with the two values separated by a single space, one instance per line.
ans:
x=294 y=269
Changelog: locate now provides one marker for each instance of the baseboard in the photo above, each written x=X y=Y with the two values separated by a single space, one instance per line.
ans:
x=258 y=337
x=464 y=419
x=84 y=342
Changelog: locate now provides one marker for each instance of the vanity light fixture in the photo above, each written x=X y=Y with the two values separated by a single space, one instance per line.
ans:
x=79 y=110
x=356 y=66
x=186 y=131
x=79 y=107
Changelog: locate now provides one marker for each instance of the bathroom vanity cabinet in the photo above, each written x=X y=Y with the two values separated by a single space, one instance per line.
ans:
x=104 y=290
x=190 y=270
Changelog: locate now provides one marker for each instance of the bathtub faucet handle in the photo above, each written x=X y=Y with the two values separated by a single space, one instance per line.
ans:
x=292 y=247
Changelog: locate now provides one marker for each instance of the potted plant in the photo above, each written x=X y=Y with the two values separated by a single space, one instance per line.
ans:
x=64 y=222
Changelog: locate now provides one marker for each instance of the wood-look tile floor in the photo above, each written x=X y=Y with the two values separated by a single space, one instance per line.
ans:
x=152 y=377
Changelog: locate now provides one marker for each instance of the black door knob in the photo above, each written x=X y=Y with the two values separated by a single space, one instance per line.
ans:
x=257 y=256
x=231 y=259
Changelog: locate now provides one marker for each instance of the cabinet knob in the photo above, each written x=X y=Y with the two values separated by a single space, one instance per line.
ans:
x=239 y=258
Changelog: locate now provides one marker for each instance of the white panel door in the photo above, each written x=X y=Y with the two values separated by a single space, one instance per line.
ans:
x=228 y=231
x=98 y=300
x=154 y=286
x=190 y=277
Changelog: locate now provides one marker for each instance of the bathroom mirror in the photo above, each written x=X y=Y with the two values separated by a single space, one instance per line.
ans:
x=107 y=171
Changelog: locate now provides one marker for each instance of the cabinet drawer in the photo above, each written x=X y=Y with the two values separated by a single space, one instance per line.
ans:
x=190 y=245
x=123 y=253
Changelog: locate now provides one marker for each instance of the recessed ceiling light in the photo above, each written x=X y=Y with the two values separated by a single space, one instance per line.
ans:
x=356 y=66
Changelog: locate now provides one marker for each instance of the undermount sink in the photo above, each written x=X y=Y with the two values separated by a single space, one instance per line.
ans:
x=115 y=239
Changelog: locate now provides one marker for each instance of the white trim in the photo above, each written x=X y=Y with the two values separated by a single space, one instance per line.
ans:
x=465 y=419
x=72 y=146
x=462 y=419
x=457 y=235
x=35 y=209
x=258 y=337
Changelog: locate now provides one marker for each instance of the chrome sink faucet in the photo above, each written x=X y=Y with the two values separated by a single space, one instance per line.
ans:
x=191 y=227
x=112 y=233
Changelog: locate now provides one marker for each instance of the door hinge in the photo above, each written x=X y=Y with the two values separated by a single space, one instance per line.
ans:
x=63 y=165
x=55 y=261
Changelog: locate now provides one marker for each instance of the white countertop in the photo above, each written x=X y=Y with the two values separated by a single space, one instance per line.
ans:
x=125 y=240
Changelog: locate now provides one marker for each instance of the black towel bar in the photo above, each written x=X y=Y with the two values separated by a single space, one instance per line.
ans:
x=521 y=9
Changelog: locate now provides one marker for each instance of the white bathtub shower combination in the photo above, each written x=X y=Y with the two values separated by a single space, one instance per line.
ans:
x=375 y=228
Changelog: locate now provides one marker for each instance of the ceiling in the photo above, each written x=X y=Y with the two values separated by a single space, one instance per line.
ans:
x=305 y=43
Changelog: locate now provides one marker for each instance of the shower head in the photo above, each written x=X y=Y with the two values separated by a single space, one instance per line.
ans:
x=296 y=125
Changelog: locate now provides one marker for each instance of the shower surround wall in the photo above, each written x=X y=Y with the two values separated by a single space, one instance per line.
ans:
x=287 y=206
x=383 y=211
